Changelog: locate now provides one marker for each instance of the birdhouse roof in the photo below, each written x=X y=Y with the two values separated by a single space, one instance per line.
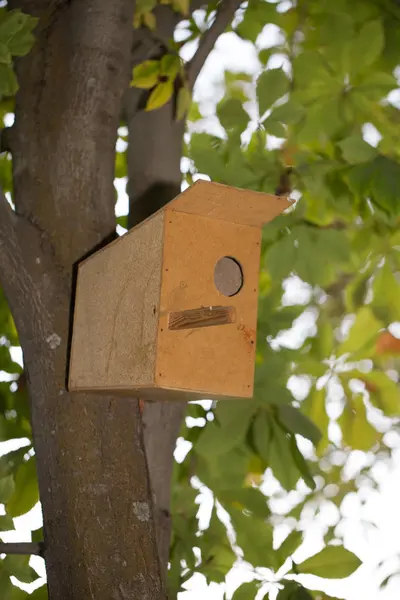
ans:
x=227 y=203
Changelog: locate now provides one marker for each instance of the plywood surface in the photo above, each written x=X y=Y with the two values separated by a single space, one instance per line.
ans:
x=221 y=358
x=116 y=312
x=228 y=203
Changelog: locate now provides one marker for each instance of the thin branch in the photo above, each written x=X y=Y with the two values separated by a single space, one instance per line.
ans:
x=24 y=548
x=225 y=13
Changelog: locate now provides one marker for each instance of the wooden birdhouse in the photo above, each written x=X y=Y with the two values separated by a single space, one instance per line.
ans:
x=169 y=310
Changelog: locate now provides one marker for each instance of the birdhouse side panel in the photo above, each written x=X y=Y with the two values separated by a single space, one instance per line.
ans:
x=208 y=309
x=117 y=311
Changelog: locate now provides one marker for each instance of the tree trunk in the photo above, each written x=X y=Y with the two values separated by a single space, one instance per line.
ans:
x=98 y=519
x=154 y=178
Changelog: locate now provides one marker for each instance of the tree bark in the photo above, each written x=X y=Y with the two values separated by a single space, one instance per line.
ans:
x=154 y=178
x=94 y=486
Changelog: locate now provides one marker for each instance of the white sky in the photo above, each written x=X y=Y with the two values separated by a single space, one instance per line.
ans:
x=381 y=507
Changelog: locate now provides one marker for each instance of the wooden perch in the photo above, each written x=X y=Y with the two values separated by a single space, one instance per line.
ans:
x=201 y=317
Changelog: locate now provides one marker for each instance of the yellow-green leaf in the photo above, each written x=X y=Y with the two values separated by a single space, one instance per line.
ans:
x=26 y=493
x=181 y=6
x=386 y=289
x=161 y=94
x=357 y=431
x=170 y=65
x=183 y=101
x=145 y=75
x=314 y=407
x=363 y=334
x=149 y=19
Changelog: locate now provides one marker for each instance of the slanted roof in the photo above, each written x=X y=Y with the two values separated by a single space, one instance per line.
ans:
x=218 y=201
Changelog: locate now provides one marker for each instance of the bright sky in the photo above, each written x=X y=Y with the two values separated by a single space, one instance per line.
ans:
x=371 y=544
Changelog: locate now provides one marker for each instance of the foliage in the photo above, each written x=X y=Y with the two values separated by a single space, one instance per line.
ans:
x=16 y=39
x=328 y=78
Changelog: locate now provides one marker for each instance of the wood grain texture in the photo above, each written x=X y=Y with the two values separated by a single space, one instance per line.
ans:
x=116 y=312
x=227 y=203
x=216 y=360
x=201 y=317
x=94 y=485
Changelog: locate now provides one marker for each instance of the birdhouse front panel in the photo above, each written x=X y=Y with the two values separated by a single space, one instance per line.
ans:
x=208 y=305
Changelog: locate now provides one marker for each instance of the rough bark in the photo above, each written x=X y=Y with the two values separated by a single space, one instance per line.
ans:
x=99 y=529
x=154 y=175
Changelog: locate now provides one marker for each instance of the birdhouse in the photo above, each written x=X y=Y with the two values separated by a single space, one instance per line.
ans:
x=169 y=310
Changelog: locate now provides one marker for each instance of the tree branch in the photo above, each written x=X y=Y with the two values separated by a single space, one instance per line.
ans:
x=225 y=13
x=24 y=548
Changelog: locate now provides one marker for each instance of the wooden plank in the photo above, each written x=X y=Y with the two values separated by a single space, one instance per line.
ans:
x=227 y=203
x=219 y=360
x=116 y=312
x=205 y=316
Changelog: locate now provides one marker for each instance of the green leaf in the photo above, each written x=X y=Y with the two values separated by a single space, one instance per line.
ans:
x=181 y=6
x=18 y=566
x=289 y=545
x=145 y=75
x=333 y=562
x=357 y=432
x=170 y=66
x=271 y=85
x=26 y=493
x=39 y=594
x=281 y=459
x=289 y=112
x=8 y=81
x=6 y=522
x=256 y=16
x=316 y=256
x=366 y=47
x=183 y=101
x=293 y=591
x=161 y=94
x=246 y=591
x=207 y=153
x=315 y=408
x=5 y=55
x=363 y=334
x=356 y=150
x=384 y=176
x=37 y=535
x=123 y=221
x=218 y=439
x=7 y=488
x=262 y=433
x=295 y=422
x=386 y=300
x=144 y=6
x=232 y=115
x=255 y=538
x=274 y=128
x=249 y=498
x=384 y=392
x=301 y=464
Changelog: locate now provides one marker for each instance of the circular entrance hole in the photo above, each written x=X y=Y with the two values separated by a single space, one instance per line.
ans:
x=228 y=276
